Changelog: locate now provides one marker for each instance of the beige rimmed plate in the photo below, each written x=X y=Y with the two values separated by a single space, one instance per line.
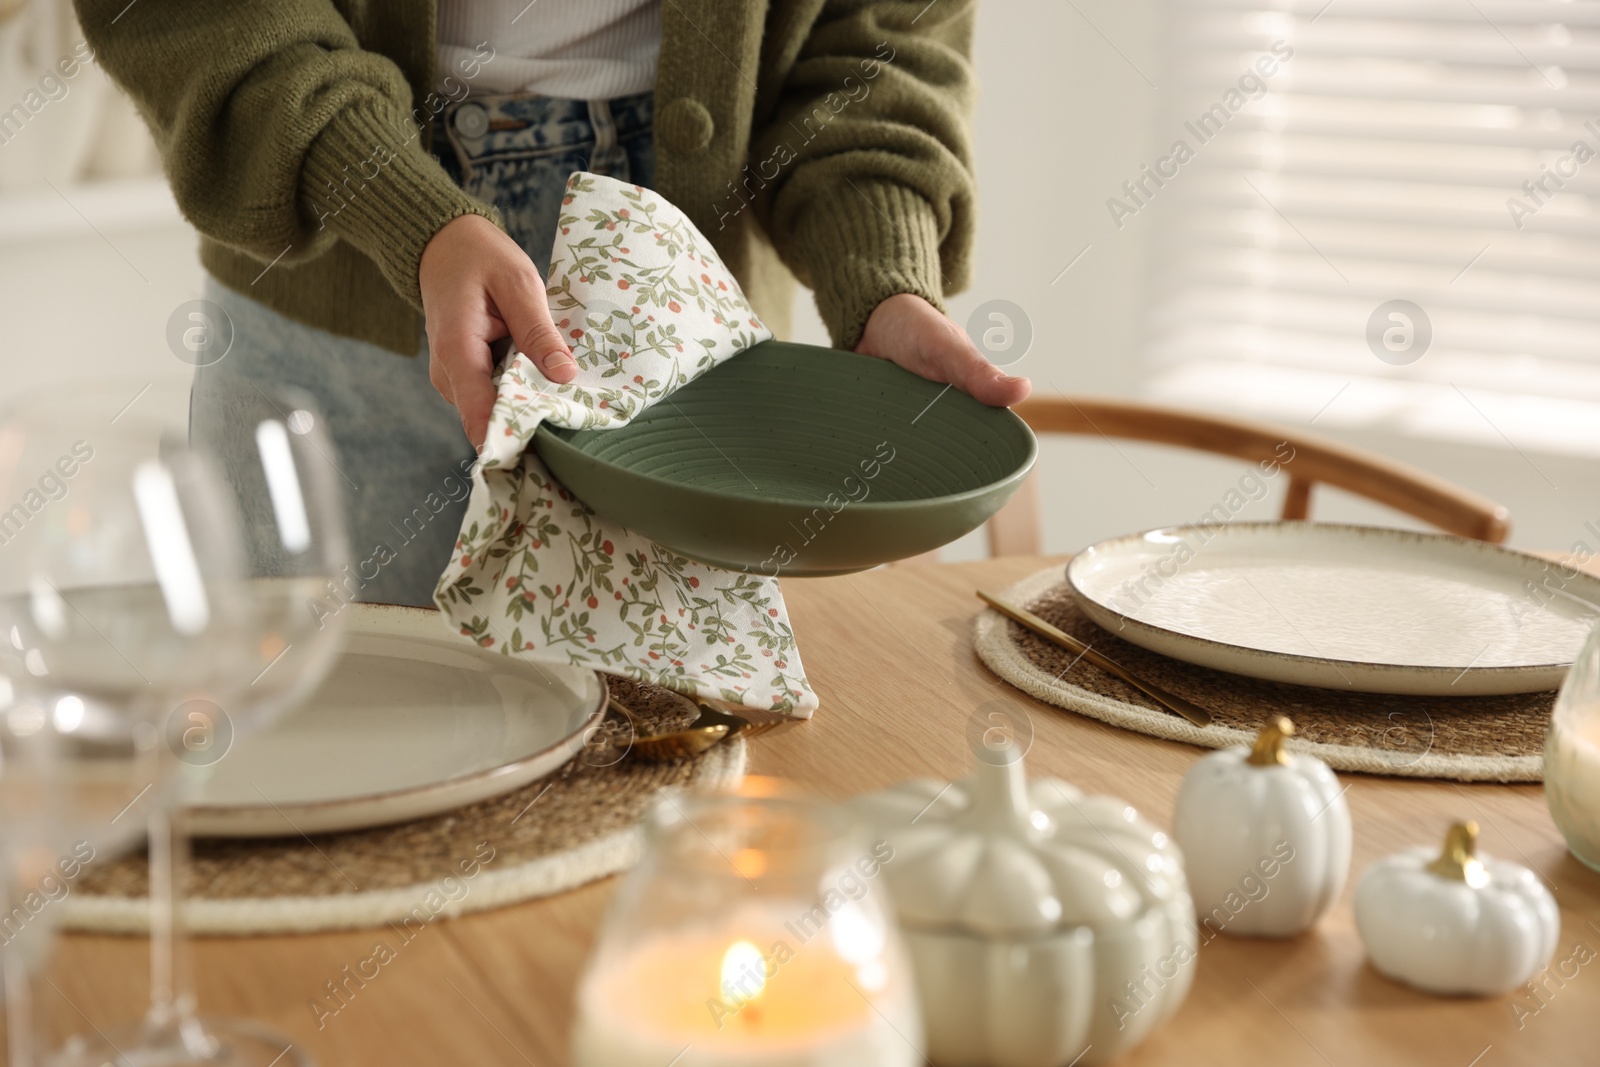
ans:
x=1342 y=607
x=410 y=722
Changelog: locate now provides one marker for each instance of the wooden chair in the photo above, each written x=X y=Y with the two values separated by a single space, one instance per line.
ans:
x=1014 y=530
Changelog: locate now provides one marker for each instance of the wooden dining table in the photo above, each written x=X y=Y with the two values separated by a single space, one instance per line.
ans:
x=890 y=655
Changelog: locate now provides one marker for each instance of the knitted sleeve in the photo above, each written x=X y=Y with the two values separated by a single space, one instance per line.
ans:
x=869 y=159
x=277 y=131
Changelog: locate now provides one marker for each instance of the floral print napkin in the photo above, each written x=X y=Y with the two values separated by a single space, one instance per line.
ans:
x=646 y=306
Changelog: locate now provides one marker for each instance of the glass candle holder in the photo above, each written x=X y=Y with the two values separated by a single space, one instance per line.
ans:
x=1572 y=756
x=755 y=931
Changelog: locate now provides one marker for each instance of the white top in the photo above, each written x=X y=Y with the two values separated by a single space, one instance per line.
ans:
x=577 y=49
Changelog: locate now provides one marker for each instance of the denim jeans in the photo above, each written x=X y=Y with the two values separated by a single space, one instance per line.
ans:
x=516 y=153
x=400 y=450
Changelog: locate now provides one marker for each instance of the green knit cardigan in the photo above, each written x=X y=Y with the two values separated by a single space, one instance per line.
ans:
x=828 y=137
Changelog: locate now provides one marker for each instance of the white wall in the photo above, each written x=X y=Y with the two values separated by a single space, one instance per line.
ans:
x=88 y=278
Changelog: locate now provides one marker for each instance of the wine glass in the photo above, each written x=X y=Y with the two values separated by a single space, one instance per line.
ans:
x=118 y=547
x=282 y=478
x=29 y=836
x=272 y=481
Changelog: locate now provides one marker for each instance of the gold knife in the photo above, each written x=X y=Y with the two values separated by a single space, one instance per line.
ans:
x=1171 y=701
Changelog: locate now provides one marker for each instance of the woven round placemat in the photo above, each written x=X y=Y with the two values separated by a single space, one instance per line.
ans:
x=1482 y=738
x=571 y=827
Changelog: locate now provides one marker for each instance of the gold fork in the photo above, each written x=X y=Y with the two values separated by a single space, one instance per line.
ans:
x=709 y=728
x=1171 y=701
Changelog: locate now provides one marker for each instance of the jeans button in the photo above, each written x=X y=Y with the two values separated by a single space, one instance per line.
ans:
x=471 y=120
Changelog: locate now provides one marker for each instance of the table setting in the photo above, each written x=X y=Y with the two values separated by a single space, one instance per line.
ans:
x=687 y=766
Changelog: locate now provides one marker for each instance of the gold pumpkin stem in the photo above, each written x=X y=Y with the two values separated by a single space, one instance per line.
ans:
x=1268 y=750
x=1459 y=859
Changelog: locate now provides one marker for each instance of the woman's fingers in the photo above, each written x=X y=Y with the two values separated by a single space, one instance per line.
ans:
x=465 y=361
x=946 y=354
x=969 y=371
x=519 y=297
x=478 y=285
x=436 y=372
x=914 y=335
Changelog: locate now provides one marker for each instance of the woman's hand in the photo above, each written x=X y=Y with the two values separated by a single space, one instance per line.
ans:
x=913 y=334
x=477 y=287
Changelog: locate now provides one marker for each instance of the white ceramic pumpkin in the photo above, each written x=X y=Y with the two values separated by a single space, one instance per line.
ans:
x=1040 y=921
x=1456 y=922
x=1265 y=837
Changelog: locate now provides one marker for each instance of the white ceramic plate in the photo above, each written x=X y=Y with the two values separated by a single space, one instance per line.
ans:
x=412 y=721
x=1342 y=607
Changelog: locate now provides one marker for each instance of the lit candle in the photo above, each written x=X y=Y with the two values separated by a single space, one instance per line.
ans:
x=758 y=989
x=1572 y=781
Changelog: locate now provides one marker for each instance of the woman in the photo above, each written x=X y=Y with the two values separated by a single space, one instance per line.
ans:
x=364 y=172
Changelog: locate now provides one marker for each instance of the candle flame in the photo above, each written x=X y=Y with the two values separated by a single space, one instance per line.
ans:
x=744 y=972
x=750 y=862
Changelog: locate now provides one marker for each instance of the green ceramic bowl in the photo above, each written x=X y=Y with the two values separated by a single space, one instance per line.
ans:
x=799 y=460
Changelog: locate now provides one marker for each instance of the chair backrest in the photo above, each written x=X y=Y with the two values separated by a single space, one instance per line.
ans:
x=1015 y=529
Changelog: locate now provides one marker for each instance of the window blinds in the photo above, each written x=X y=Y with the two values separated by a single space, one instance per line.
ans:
x=1444 y=153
